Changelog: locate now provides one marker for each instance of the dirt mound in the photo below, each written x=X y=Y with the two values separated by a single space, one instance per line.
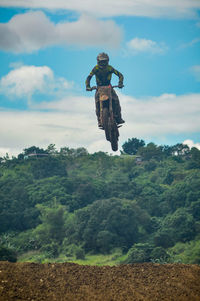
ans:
x=68 y=281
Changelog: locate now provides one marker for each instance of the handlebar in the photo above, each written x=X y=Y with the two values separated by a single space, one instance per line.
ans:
x=117 y=86
x=95 y=87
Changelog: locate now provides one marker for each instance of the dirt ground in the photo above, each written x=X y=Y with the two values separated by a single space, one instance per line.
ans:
x=72 y=282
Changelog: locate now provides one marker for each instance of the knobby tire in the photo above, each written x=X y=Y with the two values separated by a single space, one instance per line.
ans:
x=114 y=136
x=106 y=123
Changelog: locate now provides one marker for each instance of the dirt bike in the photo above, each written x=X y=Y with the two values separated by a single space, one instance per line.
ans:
x=107 y=118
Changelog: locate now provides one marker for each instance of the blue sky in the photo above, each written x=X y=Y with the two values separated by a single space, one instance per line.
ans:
x=47 y=50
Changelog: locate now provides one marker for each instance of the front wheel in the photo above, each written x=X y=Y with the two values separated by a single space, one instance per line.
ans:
x=114 y=137
x=105 y=123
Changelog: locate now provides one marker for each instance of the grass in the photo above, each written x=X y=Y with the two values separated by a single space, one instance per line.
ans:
x=98 y=259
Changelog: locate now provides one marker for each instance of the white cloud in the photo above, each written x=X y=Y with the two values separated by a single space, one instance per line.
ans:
x=138 y=45
x=72 y=122
x=196 y=72
x=160 y=116
x=24 y=81
x=24 y=129
x=4 y=151
x=33 y=30
x=151 y=8
x=190 y=43
x=191 y=143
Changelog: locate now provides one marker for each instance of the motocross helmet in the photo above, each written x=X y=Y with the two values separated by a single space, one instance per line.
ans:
x=102 y=59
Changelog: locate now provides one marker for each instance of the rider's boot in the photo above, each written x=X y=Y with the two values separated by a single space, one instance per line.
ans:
x=118 y=116
x=119 y=120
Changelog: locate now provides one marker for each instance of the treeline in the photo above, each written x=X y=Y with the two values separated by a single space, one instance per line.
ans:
x=145 y=203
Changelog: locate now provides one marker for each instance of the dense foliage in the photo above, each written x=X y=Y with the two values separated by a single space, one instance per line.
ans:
x=145 y=202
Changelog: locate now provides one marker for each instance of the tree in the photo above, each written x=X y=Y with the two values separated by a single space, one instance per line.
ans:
x=106 y=224
x=44 y=191
x=106 y=241
x=47 y=167
x=179 y=226
x=72 y=152
x=167 y=150
x=180 y=149
x=34 y=150
x=51 y=149
x=132 y=146
x=175 y=197
x=52 y=227
x=151 y=151
x=14 y=201
x=164 y=238
x=195 y=158
x=113 y=202
x=195 y=209
x=149 y=198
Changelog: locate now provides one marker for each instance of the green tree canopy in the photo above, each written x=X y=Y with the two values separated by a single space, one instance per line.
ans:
x=132 y=146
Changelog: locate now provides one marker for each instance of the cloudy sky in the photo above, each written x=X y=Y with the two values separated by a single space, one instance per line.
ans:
x=47 y=49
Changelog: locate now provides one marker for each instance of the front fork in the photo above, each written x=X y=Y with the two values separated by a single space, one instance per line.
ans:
x=110 y=107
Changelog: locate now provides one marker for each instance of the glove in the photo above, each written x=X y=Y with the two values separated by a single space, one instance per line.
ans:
x=88 y=89
x=120 y=85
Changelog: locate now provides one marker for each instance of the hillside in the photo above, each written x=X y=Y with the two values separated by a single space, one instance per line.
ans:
x=71 y=282
x=67 y=205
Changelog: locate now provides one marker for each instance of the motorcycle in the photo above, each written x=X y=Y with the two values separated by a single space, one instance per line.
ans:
x=107 y=118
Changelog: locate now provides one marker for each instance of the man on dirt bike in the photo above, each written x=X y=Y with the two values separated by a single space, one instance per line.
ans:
x=103 y=73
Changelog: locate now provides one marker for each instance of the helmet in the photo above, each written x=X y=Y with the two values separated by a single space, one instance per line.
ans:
x=102 y=59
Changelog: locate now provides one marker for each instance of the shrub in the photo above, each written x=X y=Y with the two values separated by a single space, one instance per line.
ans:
x=7 y=254
x=79 y=253
x=139 y=253
x=186 y=252
x=159 y=254
x=71 y=250
x=51 y=250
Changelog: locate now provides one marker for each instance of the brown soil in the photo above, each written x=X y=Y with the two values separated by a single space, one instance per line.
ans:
x=72 y=282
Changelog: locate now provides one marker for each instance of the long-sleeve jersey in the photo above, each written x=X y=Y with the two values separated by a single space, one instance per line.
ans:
x=103 y=76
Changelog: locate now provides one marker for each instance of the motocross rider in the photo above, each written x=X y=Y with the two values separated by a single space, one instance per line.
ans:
x=103 y=73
